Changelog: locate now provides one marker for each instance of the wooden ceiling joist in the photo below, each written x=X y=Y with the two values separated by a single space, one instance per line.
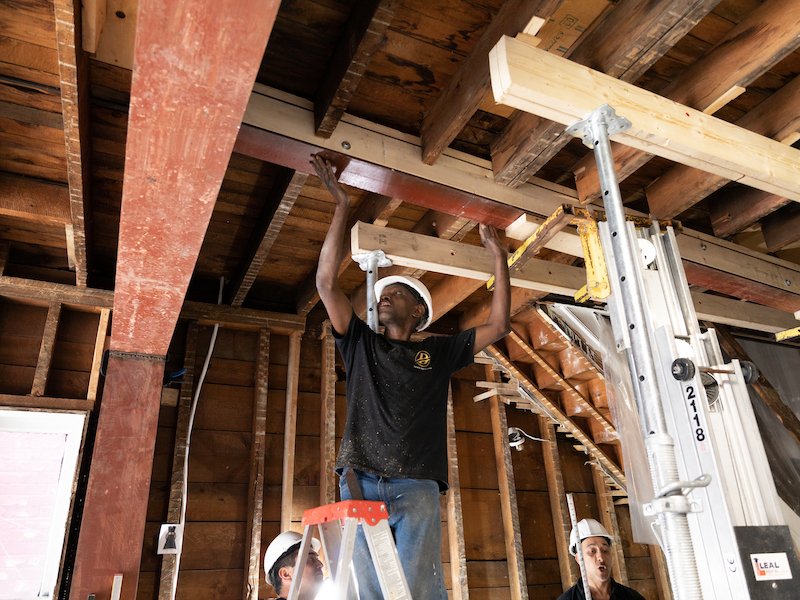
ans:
x=538 y=82
x=279 y=204
x=741 y=208
x=185 y=120
x=767 y=35
x=474 y=262
x=73 y=65
x=778 y=118
x=460 y=99
x=364 y=35
x=34 y=200
x=628 y=41
x=782 y=228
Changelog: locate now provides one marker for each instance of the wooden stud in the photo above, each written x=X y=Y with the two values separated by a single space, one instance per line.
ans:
x=508 y=497
x=168 y=580
x=455 y=516
x=97 y=357
x=46 y=350
x=290 y=430
x=608 y=517
x=255 y=500
x=555 y=88
x=660 y=572
x=327 y=433
x=558 y=503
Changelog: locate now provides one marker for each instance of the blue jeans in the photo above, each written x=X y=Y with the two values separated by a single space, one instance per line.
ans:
x=415 y=520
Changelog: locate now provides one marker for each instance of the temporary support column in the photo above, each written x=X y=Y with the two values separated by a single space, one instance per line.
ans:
x=671 y=509
x=194 y=67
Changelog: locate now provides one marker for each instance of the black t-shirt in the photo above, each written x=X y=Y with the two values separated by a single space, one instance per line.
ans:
x=618 y=592
x=397 y=401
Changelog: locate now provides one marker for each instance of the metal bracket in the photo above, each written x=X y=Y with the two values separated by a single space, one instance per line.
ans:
x=605 y=113
x=365 y=260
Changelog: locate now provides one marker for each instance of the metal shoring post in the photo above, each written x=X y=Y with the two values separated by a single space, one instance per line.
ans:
x=581 y=564
x=671 y=511
x=369 y=262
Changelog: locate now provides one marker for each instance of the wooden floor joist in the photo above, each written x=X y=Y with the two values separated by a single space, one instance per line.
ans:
x=327 y=433
x=290 y=430
x=535 y=81
x=508 y=496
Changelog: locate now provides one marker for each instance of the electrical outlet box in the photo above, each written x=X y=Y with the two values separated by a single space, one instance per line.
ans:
x=170 y=538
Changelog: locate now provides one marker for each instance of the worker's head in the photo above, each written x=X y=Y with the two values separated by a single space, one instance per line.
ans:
x=594 y=542
x=404 y=297
x=279 y=562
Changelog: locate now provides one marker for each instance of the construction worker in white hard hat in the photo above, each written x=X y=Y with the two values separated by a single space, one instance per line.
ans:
x=594 y=542
x=394 y=444
x=279 y=565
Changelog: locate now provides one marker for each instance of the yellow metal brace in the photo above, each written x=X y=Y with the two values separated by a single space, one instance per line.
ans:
x=597 y=285
x=787 y=334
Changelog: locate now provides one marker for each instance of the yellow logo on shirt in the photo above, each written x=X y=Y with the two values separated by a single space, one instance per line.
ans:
x=423 y=359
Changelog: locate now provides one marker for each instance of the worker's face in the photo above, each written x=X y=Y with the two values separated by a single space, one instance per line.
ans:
x=597 y=559
x=312 y=575
x=397 y=304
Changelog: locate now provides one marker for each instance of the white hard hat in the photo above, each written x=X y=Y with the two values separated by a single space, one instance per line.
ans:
x=586 y=528
x=280 y=545
x=414 y=284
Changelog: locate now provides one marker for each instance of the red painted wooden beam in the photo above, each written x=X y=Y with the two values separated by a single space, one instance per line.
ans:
x=194 y=67
x=112 y=528
x=294 y=154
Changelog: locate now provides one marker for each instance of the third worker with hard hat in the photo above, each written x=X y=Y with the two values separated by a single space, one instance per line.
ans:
x=594 y=542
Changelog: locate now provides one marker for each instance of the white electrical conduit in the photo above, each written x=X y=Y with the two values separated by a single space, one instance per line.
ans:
x=192 y=412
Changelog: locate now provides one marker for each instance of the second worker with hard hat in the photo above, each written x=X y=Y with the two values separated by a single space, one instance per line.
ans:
x=395 y=437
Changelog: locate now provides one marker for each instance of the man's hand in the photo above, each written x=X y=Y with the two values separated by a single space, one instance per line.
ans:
x=490 y=240
x=326 y=174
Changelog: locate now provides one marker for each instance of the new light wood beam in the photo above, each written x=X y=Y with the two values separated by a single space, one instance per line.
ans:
x=279 y=129
x=327 y=433
x=34 y=200
x=508 y=495
x=97 y=356
x=538 y=82
x=543 y=405
x=782 y=228
x=761 y=386
x=777 y=117
x=45 y=359
x=626 y=42
x=374 y=209
x=749 y=49
x=73 y=64
x=186 y=121
x=290 y=430
x=255 y=500
x=170 y=563
x=278 y=205
x=608 y=517
x=460 y=99
x=455 y=515
x=433 y=223
x=93 y=17
x=558 y=503
x=364 y=34
x=740 y=208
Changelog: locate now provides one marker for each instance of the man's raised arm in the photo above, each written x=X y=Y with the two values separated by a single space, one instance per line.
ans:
x=498 y=324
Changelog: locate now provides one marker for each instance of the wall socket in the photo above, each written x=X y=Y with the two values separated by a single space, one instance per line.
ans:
x=170 y=538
